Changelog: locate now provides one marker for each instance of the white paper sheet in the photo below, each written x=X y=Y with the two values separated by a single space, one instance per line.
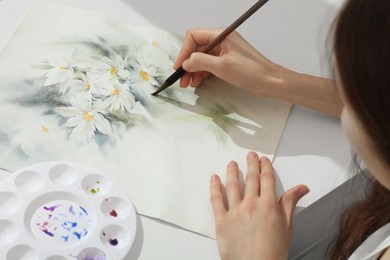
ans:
x=75 y=85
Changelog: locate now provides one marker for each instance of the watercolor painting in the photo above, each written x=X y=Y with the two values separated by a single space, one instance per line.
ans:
x=81 y=91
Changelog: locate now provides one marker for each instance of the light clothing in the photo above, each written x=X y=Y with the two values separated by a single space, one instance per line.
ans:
x=374 y=245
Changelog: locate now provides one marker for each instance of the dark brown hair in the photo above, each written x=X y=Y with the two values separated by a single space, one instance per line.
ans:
x=362 y=51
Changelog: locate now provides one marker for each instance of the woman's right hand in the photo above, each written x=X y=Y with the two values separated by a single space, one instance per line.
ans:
x=234 y=60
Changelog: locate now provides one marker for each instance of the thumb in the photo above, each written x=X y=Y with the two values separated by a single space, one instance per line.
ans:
x=290 y=198
x=201 y=62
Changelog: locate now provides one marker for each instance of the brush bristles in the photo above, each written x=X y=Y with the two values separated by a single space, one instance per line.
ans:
x=163 y=86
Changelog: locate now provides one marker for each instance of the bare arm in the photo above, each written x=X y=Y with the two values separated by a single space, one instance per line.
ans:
x=313 y=92
x=238 y=63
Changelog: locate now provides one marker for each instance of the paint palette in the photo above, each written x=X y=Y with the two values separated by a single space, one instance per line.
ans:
x=63 y=210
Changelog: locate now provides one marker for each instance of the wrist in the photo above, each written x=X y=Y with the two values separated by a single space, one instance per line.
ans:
x=277 y=82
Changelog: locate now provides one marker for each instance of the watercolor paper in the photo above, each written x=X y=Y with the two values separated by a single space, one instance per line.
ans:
x=76 y=86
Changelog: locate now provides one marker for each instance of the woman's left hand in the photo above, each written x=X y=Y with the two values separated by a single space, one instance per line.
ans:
x=256 y=225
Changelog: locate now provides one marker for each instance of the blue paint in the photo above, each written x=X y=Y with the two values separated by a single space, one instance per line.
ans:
x=68 y=225
x=78 y=235
x=83 y=209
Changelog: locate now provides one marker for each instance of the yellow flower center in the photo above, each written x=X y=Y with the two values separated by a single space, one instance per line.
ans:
x=144 y=75
x=63 y=68
x=88 y=86
x=155 y=43
x=88 y=116
x=115 y=92
x=114 y=71
x=45 y=129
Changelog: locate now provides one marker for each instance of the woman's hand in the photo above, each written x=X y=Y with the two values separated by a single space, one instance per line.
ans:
x=256 y=225
x=234 y=60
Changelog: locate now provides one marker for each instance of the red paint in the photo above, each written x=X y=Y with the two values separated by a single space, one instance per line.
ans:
x=113 y=213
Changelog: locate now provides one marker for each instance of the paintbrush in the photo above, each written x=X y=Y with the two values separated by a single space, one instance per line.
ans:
x=180 y=72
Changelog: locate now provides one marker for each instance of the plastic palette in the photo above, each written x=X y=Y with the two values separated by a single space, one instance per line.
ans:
x=64 y=210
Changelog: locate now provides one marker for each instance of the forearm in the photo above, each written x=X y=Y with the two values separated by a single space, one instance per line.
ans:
x=313 y=92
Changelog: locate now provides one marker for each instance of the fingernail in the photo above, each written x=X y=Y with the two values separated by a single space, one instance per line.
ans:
x=232 y=164
x=303 y=191
x=251 y=155
x=263 y=159
x=213 y=178
x=184 y=65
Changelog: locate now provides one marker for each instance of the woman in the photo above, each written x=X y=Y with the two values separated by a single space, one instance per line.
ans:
x=258 y=225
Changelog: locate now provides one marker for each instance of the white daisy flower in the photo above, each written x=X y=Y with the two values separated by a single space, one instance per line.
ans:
x=42 y=132
x=61 y=70
x=112 y=68
x=143 y=79
x=84 y=119
x=117 y=96
x=85 y=87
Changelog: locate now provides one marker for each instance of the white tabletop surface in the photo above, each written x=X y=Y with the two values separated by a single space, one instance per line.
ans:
x=293 y=33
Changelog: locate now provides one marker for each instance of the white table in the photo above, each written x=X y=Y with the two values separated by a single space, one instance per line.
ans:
x=312 y=149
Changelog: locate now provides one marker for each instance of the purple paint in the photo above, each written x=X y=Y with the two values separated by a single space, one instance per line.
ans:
x=113 y=242
x=71 y=210
x=47 y=232
x=91 y=254
x=51 y=208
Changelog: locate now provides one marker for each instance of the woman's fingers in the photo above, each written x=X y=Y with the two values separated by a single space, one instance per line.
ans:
x=216 y=196
x=233 y=192
x=267 y=178
x=289 y=200
x=252 y=179
x=193 y=41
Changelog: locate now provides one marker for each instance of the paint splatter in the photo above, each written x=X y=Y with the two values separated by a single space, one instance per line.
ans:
x=113 y=242
x=78 y=235
x=68 y=225
x=113 y=213
x=71 y=210
x=84 y=210
x=47 y=232
x=65 y=221
x=94 y=190
x=52 y=208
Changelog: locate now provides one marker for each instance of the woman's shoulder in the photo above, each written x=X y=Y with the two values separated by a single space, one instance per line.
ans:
x=374 y=246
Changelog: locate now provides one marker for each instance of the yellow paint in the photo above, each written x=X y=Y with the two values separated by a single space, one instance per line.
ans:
x=45 y=129
x=88 y=86
x=115 y=92
x=114 y=71
x=88 y=116
x=94 y=190
x=144 y=75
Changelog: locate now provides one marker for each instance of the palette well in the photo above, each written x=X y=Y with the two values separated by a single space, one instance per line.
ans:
x=63 y=210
